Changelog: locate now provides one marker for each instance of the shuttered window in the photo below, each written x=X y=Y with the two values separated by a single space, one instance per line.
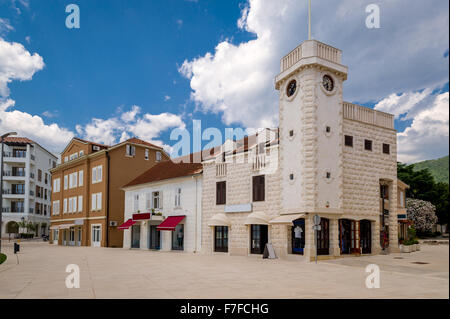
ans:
x=221 y=191
x=258 y=188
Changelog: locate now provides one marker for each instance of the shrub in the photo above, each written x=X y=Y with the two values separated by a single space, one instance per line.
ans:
x=2 y=258
x=422 y=214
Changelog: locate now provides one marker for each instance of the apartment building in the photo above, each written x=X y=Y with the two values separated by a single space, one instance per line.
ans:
x=26 y=185
x=332 y=159
x=163 y=208
x=87 y=201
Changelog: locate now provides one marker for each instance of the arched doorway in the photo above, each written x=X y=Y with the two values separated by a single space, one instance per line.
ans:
x=366 y=236
x=323 y=237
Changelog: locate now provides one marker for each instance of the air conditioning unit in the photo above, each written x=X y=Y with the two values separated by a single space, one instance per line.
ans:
x=112 y=223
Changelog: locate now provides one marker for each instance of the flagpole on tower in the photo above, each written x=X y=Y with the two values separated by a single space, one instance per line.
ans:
x=309 y=19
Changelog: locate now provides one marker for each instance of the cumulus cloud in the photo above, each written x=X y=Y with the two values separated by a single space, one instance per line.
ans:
x=427 y=136
x=16 y=63
x=130 y=123
x=405 y=54
x=51 y=136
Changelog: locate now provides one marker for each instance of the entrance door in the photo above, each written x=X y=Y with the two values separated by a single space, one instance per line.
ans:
x=178 y=237
x=72 y=236
x=65 y=235
x=221 y=239
x=79 y=232
x=96 y=235
x=298 y=236
x=323 y=237
x=136 y=236
x=366 y=237
x=55 y=236
x=258 y=238
x=348 y=236
x=154 y=238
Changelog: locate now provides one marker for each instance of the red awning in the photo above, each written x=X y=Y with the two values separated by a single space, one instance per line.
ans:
x=170 y=223
x=141 y=216
x=127 y=224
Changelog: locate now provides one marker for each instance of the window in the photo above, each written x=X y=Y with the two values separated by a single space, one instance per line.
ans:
x=66 y=159
x=402 y=199
x=65 y=206
x=328 y=175
x=386 y=148
x=368 y=145
x=46 y=179
x=72 y=205
x=291 y=177
x=73 y=180
x=81 y=153
x=328 y=129
x=158 y=156
x=96 y=202
x=156 y=200
x=384 y=191
x=56 y=207
x=130 y=150
x=258 y=188
x=80 y=204
x=221 y=191
x=146 y=154
x=80 y=178
x=97 y=174
x=66 y=182
x=73 y=156
x=291 y=133
x=136 y=203
x=178 y=197
x=39 y=175
x=56 y=185
x=349 y=140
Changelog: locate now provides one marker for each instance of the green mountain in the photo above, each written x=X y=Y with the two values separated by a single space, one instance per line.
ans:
x=437 y=167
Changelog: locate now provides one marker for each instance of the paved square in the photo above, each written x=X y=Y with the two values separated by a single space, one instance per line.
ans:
x=119 y=273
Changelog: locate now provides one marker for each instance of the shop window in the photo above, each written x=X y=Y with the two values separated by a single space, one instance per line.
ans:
x=178 y=237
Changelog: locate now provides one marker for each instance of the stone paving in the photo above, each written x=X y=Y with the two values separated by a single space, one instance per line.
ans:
x=120 y=273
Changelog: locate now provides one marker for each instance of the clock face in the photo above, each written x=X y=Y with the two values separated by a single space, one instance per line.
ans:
x=328 y=83
x=291 y=87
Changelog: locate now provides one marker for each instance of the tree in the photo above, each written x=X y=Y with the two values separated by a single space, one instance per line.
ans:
x=423 y=186
x=421 y=213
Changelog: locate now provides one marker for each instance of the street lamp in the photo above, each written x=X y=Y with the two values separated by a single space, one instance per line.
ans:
x=1 y=182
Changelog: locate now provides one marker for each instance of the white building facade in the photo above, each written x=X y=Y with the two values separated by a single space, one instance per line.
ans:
x=163 y=211
x=26 y=185
x=336 y=160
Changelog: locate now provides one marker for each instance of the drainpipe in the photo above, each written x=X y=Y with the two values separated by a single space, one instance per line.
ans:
x=107 y=202
x=196 y=220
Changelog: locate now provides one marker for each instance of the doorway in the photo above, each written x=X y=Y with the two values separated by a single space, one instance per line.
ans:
x=323 y=237
x=178 y=237
x=258 y=238
x=366 y=236
x=72 y=236
x=154 y=239
x=348 y=236
x=298 y=236
x=221 y=239
x=136 y=236
x=79 y=233
x=96 y=235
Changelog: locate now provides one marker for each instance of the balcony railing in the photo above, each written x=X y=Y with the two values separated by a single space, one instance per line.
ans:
x=13 y=192
x=15 y=155
x=221 y=169
x=368 y=115
x=14 y=174
x=259 y=162
x=13 y=210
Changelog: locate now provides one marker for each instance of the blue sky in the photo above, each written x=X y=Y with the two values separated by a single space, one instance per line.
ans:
x=180 y=60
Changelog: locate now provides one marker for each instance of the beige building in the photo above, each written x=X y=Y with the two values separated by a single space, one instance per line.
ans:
x=332 y=159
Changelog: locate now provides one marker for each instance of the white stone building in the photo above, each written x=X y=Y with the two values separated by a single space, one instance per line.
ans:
x=163 y=208
x=334 y=159
x=26 y=185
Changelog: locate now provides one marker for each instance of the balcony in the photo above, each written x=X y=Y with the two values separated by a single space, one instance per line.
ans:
x=13 y=210
x=221 y=169
x=367 y=115
x=259 y=162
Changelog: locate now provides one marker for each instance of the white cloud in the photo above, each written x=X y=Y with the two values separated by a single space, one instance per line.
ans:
x=166 y=98
x=5 y=26
x=131 y=123
x=405 y=54
x=28 y=39
x=50 y=114
x=427 y=136
x=51 y=136
x=16 y=63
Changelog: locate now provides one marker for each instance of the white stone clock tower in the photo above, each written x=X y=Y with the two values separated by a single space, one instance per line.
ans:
x=311 y=129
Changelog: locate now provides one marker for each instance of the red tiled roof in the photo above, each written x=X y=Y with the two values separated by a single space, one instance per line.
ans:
x=12 y=139
x=166 y=170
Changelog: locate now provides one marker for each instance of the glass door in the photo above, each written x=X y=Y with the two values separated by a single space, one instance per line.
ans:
x=72 y=236
x=178 y=237
x=298 y=236
x=323 y=238
x=258 y=238
x=221 y=239
x=79 y=232
x=135 y=236
x=366 y=237
x=96 y=235
x=154 y=238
